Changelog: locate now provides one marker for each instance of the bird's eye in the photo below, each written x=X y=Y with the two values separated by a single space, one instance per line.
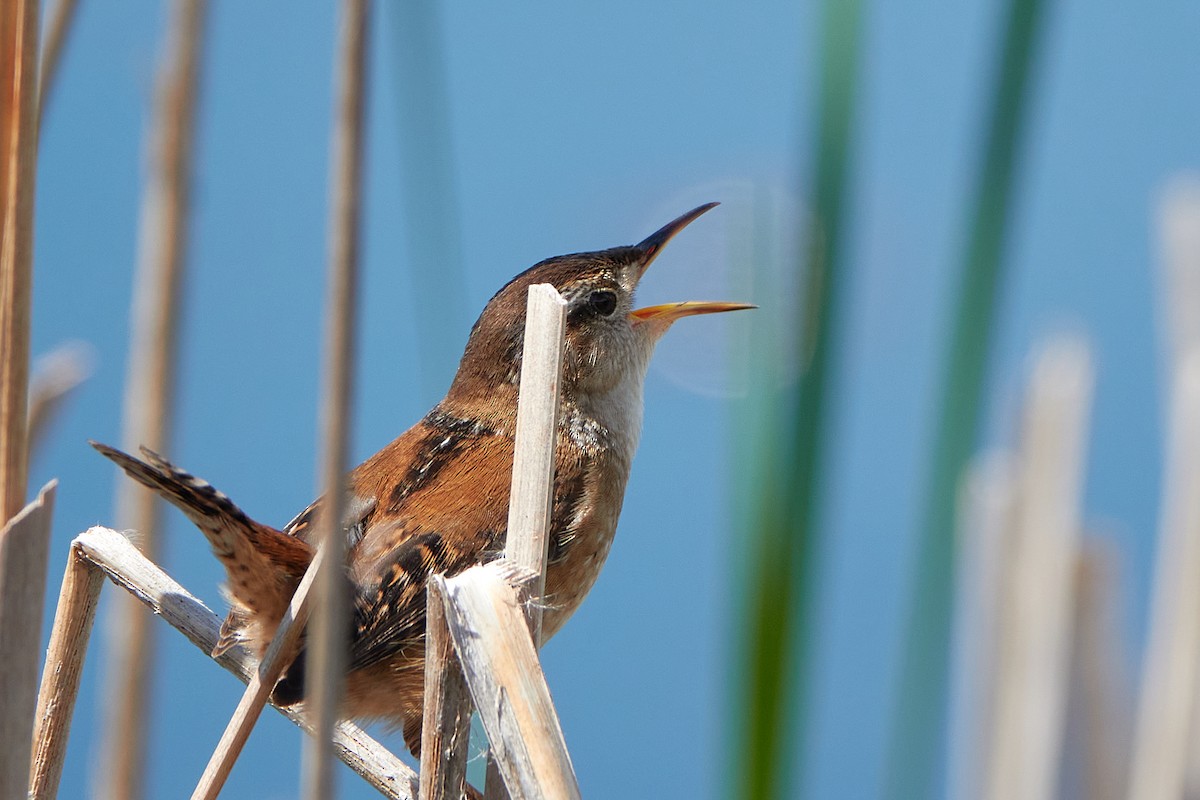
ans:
x=603 y=303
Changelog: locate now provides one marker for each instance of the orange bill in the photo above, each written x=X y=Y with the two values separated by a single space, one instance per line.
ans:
x=669 y=312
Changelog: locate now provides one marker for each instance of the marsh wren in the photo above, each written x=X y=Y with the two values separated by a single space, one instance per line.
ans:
x=436 y=499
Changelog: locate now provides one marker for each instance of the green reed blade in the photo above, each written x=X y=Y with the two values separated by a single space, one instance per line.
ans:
x=919 y=718
x=780 y=568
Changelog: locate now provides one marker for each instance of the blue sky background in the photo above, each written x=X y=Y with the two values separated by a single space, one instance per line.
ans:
x=575 y=128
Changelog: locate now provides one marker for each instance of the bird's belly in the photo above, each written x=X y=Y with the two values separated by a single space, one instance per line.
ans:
x=569 y=579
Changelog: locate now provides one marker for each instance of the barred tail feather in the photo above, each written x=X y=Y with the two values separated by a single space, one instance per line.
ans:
x=263 y=565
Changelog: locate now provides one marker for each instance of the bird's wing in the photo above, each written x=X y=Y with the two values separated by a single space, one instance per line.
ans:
x=438 y=503
x=303 y=528
x=446 y=513
x=375 y=483
x=355 y=518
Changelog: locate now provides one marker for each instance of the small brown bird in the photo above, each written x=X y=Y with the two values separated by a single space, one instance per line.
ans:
x=436 y=499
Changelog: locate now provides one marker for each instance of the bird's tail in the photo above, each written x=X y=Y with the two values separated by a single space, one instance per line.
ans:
x=263 y=565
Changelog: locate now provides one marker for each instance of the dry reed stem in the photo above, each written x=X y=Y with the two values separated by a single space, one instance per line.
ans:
x=279 y=654
x=18 y=161
x=491 y=635
x=1179 y=237
x=446 y=723
x=1100 y=681
x=1160 y=747
x=1170 y=672
x=1179 y=241
x=985 y=518
x=73 y=619
x=103 y=552
x=1038 y=595
x=24 y=537
x=150 y=385
x=24 y=545
x=532 y=496
x=61 y=19
x=326 y=643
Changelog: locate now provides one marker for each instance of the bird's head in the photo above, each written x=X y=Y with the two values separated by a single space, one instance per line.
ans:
x=608 y=341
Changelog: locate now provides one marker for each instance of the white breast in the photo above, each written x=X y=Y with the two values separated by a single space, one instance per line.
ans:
x=618 y=411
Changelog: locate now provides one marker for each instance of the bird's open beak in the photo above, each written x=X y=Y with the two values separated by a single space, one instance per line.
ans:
x=669 y=312
x=653 y=244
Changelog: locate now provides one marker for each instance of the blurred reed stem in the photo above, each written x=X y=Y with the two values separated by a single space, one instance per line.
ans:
x=986 y=508
x=149 y=403
x=918 y=723
x=55 y=376
x=1031 y=663
x=1164 y=749
x=1098 y=679
x=24 y=530
x=326 y=642
x=18 y=171
x=62 y=17
x=780 y=571
x=24 y=548
x=428 y=188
